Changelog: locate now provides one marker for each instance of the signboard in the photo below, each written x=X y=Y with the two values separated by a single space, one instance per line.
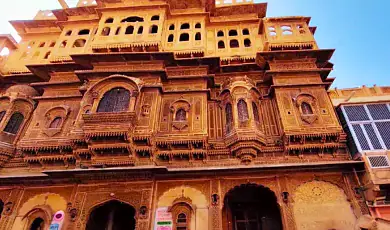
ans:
x=58 y=220
x=163 y=220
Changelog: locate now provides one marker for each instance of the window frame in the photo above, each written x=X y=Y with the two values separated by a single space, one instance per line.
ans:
x=370 y=121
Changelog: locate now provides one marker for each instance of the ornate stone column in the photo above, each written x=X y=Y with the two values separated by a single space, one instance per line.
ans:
x=216 y=205
x=286 y=204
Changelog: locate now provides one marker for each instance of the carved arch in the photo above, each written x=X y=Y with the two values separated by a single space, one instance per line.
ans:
x=51 y=115
x=181 y=114
x=41 y=205
x=301 y=102
x=170 y=196
x=328 y=201
x=95 y=93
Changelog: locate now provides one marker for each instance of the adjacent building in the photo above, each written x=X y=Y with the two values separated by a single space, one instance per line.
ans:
x=167 y=114
x=365 y=115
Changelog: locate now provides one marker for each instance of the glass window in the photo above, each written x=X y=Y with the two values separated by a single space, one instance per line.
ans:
x=181 y=115
x=255 y=112
x=14 y=123
x=115 y=100
x=56 y=123
x=242 y=110
x=306 y=108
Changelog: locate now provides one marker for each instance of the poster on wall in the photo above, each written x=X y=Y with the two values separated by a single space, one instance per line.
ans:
x=58 y=220
x=163 y=220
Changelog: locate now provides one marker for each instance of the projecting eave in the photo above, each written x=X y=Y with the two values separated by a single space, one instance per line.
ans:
x=321 y=55
x=10 y=41
x=288 y=19
x=324 y=72
x=260 y=9
x=22 y=26
x=44 y=70
x=22 y=78
x=87 y=60
x=64 y=14
x=100 y=10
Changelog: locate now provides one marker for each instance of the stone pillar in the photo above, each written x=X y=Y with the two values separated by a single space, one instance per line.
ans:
x=286 y=208
x=215 y=210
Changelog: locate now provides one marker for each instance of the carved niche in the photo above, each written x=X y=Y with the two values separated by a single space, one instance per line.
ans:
x=55 y=119
x=181 y=116
x=307 y=104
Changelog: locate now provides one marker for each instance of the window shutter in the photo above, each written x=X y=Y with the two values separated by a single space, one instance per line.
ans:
x=384 y=131
x=378 y=161
x=361 y=138
x=372 y=136
x=356 y=113
x=379 y=111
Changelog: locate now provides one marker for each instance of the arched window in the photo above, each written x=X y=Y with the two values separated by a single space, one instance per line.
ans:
x=42 y=44
x=129 y=30
x=181 y=115
x=184 y=37
x=52 y=44
x=221 y=45
x=181 y=222
x=14 y=123
x=185 y=26
x=84 y=32
x=198 y=26
x=255 y=112
x=56 y=123
x=242 y=110
x=247 y=42
x=171 y=27
x=233 y=33
x=306 y=108
x=106 y=31
x=118 y=30
x=140 y=30
x=170 y=38
x=79 y=43
x=2 y=114
x=133 y=19
x=47 y=55
x=115 y=100
x=68 y=33
x=109 y=20
x=63 y=44
x=155 y=18
x=37 y=224
x=245 y=32
x=198 y=36
x=229 y=117
x=153 y=29
x=234 y=43
x=220 y=33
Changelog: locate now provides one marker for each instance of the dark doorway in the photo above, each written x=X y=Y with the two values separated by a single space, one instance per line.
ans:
x=113 y=215
x=37 y=224
x=251 y=207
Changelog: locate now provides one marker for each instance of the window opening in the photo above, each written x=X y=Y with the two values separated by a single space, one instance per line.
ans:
x=14 y=123
x=234 y=43
x=198 y=36
x=185 y=26
x=184 y=37
x=233 y=33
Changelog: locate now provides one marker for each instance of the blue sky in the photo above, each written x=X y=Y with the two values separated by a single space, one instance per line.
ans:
x=357 y=29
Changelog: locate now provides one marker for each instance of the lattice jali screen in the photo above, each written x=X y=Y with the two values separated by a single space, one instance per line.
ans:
x=378 y=161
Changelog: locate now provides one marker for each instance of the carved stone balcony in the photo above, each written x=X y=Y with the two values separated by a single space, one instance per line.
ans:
x=108 y=124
